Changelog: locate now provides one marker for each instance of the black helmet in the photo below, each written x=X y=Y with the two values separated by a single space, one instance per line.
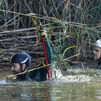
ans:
x=21 y=58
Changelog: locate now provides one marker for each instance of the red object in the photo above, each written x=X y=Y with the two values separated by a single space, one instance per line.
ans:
x=45 y=55
x=40 y=26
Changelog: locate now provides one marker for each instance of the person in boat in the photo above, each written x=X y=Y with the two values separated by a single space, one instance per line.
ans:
x=97 y=53
x=21 y=62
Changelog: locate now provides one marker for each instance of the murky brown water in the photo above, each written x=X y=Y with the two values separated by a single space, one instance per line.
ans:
x=71 y=88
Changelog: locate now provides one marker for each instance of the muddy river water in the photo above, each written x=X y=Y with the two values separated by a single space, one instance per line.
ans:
x=76 y=85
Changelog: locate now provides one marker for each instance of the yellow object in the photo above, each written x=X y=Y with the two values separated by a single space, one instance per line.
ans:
x=34 y=21
x=43 y=63
x=55 y=19
x=50 y=30
x=44 y=34
x=36 y=27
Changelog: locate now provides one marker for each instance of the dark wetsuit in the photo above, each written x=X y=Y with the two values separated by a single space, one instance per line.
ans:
x=40 y=74
x=99 y=63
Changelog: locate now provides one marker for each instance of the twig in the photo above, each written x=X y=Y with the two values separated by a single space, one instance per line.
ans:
x=19 y=30
x=72 y=56
x=12 y=76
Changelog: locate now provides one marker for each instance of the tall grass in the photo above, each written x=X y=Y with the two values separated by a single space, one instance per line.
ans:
x=70 y=22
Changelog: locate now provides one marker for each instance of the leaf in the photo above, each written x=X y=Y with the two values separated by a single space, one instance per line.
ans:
x=34 y=21
x=50 y=30
x=67 y=50
x=55 y=19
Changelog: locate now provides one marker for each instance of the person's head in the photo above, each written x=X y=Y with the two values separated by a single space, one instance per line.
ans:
x=20 y=62
x=97 y=52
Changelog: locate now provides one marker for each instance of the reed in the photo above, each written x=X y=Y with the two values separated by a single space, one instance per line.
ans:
x=69 y=23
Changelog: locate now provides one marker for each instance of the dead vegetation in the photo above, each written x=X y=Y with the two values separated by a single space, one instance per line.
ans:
x=68 y=22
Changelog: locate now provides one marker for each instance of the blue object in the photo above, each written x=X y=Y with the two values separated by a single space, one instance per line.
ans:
x=99 y=67
x=21 y=58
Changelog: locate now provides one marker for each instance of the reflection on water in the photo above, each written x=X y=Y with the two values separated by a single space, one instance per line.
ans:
x=73 y=87
x=24 y=91
x=50 y=91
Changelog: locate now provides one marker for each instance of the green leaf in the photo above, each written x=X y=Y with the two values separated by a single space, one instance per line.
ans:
x=67 y=50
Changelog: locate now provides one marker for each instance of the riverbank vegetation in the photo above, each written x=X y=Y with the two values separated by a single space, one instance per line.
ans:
x=72 y=26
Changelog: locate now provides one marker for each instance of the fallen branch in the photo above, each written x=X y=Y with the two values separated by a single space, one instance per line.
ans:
x=72 y=56
x=12 y=76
